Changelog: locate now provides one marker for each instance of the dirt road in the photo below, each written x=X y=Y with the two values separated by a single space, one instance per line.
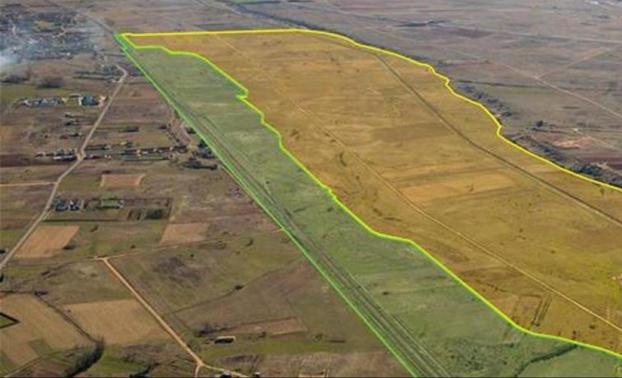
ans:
x=198 y=361
x=80 y=156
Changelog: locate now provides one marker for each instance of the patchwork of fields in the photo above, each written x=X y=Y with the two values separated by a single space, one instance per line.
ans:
x=440 y=183
x=26 y=340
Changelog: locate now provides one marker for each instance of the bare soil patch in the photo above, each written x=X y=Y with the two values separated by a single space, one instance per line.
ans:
x=127 y=180
x=184 y=233
x=46 y=241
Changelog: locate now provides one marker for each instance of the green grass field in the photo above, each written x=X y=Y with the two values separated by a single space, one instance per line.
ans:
x=428 y=319
x=6 y=321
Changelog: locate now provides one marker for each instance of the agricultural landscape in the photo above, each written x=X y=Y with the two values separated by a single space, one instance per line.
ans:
x=232 y=188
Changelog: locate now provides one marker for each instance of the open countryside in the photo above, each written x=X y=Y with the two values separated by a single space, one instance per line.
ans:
x=211 y=125
x=314 y=188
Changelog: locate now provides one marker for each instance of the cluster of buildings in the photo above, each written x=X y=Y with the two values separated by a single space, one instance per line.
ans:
x=62 y=205
x=76 y=204
x=44 y=102
x=126 y=151
x=53 y=101
x=59 y=154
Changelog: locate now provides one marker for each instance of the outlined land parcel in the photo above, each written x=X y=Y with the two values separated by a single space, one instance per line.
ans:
x=349 y=163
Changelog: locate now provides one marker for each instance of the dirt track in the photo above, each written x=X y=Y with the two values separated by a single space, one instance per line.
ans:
x=79 y=157
x=198 y=361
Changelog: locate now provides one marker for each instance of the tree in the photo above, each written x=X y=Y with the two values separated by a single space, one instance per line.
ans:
x=51 y=82
x=86 y=359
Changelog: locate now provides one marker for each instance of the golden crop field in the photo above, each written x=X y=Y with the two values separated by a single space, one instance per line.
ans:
x=412 y=159
x=121 y=321
x=39 y=331
x=47 y=241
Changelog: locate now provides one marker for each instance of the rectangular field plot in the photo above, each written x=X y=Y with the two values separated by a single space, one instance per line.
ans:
x=38 y=332
x=46 y=241
x=122 y=321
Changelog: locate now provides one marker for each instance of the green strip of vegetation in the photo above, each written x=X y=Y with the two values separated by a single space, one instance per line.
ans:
x=6 y=320
x=424 y=315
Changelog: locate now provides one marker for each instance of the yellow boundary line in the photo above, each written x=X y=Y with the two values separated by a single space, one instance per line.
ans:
x=123 y=39
x=445 y=79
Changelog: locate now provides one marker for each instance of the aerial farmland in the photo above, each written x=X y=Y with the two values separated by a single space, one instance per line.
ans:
x=306 y=188
x=356 y=186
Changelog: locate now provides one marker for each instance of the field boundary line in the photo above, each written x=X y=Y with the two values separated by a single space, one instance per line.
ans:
x=126 y=43
x=446 y=81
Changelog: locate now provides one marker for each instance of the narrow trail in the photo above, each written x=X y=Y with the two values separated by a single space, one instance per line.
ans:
x=32 y=183
x=536 y=78
x=443 y=120
x=548 y=84
x=56 y=184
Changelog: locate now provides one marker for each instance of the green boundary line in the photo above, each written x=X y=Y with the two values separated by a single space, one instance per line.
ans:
x=242 y=183
x=126 y=44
